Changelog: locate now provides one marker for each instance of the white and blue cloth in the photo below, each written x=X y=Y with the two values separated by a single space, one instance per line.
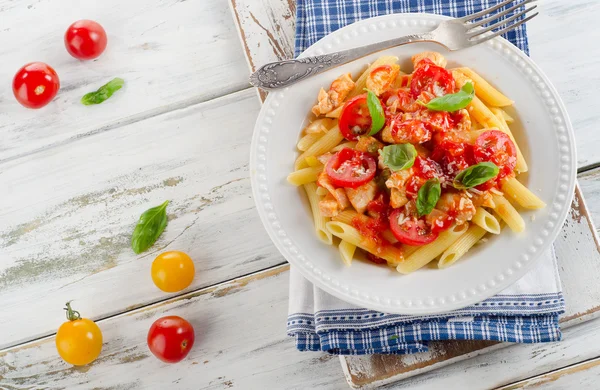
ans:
x=526 y=312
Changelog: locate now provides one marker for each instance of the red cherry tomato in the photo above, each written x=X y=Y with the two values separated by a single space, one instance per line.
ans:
x=350 y=168
x=35 y=85
x=428 y=77
x=85 y=39
x=171 y=338
x=495 y=146
x=453 y=157
x=410 y=231
x=355 y=119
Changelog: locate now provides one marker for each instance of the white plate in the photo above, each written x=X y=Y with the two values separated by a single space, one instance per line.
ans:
x=542 y=129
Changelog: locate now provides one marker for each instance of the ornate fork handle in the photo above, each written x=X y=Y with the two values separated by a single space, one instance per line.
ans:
x=283 y=73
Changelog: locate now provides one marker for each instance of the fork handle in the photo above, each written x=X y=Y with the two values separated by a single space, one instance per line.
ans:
x=281 y=74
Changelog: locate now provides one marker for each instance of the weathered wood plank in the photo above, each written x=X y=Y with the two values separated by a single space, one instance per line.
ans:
x=171 y=54
x=240 y=343
x=562 y=30
x=579 y=376
x=68 y=214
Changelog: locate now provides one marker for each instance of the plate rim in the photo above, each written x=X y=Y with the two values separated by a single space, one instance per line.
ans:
x=315 y=276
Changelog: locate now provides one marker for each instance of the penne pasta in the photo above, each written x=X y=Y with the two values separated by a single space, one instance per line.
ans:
x=509 y=119
x=346 y=216
x=517 y=192
x=335 y=113
x=319 y=221
x=486 y=221
x=322 y=191
x=353 y=236
x=307 y=140
x=322 y=145
x=361 y=83
x=484 y=90
x=508 y=213
x=321 y=125
x=304 y=175
x=427 y=253
x=350 y=144
x=347 y=252
x=461 y=246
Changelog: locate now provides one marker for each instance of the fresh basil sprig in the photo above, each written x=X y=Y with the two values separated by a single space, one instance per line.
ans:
x=475 y=175
x=428 y=196
x=398 y=157
x=376 y=112
x=103 y=93
x=150 y=226
x=453 y=101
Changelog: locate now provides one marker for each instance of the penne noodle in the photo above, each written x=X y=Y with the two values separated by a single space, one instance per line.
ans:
x=486 y=221
x=516 y=191
x=312 y=161
x=389 y=236
x=508 y=213
x=461 y=246
x=335 y=113
x=482 y=114
x=428 y=252
x=346 y=216
x=521 y=164
x=304 y=176
x=361 y=83
x=322 y=191
x=509 y=119
x=322 y=145
x=319 y=220
x=350 y=144
x=319 y=126
x=307 y=140
x=353 y=236
x=484 y=90
x=347 y=252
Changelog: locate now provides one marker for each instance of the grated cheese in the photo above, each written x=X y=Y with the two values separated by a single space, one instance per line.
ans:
x=475 y=191
x=495 y=191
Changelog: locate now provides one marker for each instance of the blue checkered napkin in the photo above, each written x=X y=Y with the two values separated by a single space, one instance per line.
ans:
x=317 y=18
x=526 y=312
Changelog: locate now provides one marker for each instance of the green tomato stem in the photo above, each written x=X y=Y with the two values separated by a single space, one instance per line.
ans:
x=72 y=315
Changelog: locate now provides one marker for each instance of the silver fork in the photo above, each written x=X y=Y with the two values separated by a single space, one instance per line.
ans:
x=453 y=34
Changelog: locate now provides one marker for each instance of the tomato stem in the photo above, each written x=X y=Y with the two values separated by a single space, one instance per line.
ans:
x=72 y=315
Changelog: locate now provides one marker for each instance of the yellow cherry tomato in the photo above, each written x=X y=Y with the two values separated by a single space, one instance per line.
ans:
x=172 y=271
x=79 y=340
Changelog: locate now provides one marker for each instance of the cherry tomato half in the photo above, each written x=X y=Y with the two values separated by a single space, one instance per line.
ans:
x=79 y=340
x=355 y=119
x=85 y=39
x=35 y=85
x=351 y=168
x=431 y=78
x=410 y=231
x=171 y=338
x=495 y=146
x=173 y=271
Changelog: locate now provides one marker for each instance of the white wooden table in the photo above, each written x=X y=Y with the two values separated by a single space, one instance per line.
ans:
x=74 y=180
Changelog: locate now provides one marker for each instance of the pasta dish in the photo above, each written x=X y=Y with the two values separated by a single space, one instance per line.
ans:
x=411 y=167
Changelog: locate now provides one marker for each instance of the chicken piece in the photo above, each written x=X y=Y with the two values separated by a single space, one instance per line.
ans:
x=328 y=206
x=481 y=198
x=361 y=196
x=406 y=128
x=398 y=198
x=332 y=99
x=435 y=57
x=458 y=205
x=338 y=193
x=381 y=78
x=368 y=144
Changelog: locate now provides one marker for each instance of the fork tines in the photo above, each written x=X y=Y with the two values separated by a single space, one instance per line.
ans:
x=505 y=25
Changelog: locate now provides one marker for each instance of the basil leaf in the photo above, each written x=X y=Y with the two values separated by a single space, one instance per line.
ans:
x=103 y=93
x=453 y=101
x=150 y=226
x=475 y=175
x=376 y=111
x=428 y=196
x=399 y=157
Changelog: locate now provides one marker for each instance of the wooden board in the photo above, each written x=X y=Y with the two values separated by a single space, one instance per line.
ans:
x=160 y=47
x=561 y=31
x=578 y=240
x=376 y=370
x=68 y=214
